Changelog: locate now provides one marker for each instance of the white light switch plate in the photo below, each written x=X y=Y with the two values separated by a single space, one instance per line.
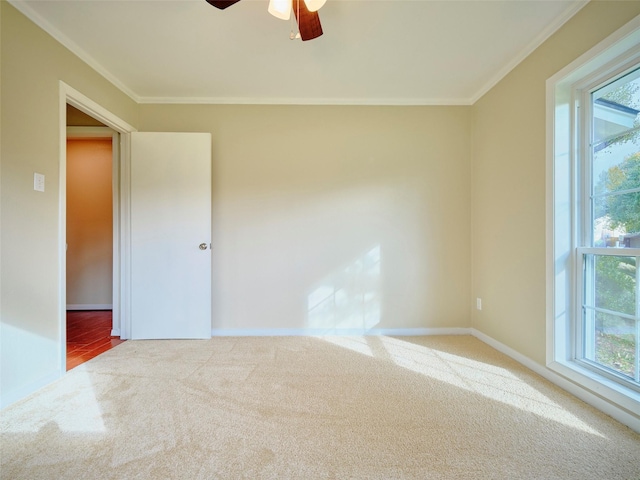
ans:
x=38 y=182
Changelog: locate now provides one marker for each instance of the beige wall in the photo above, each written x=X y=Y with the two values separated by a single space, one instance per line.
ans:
x=89 y=223
x=77 y=118
x=32 y=66
x=508 y=184
x=305 y=197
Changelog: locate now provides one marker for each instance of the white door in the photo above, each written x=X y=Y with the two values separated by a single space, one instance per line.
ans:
x=170 y=235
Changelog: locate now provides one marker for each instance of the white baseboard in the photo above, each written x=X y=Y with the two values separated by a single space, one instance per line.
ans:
x=12 y=397
x=115 y=332
x=319 y=332
x=417 y=332
x=90 y=306
x=583 y=394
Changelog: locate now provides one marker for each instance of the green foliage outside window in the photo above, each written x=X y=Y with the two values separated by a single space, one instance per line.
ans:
x=624 y=210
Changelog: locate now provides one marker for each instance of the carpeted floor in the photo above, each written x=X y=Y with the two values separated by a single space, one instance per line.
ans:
x=310 y=408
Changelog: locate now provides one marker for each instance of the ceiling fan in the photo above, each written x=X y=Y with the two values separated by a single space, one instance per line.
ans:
x=305 y=11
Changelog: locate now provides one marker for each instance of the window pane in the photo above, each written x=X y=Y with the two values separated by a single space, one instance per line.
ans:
x=611 y=313
x=615 y=176
x=615 y=283
x=614 y=342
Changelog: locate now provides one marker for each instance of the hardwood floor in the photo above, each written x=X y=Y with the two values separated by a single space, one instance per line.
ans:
x=88 y=335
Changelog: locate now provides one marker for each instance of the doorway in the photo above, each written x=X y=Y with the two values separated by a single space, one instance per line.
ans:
x=82 y=117
x=90 y=164
x=89 y=223
x=90 y=240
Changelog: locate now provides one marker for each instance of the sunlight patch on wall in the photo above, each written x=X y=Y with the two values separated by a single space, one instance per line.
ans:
x=348 y=299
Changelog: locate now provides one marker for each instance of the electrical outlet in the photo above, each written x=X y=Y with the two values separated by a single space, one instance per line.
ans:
x=38 y=182
x=479 y=303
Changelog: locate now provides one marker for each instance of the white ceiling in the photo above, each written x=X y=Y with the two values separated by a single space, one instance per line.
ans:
x=398 y=52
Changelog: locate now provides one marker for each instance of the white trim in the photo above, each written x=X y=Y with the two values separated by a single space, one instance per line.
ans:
x=125 y=235
x=609 y=251
x=116 y=220
x=594 y=398
x=90 y=306
x=307 y=101
x=552 y=28
x=62 y=232
x=12 y=397
x=85 y=104
x=617 y=43
x=44 y=24
x=319 y=332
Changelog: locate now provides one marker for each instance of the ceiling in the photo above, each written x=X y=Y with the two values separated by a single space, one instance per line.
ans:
x=373 y=52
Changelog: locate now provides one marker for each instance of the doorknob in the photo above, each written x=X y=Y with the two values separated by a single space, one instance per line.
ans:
x=202 y=246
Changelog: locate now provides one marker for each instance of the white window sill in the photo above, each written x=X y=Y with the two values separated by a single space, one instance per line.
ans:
x=609 y=391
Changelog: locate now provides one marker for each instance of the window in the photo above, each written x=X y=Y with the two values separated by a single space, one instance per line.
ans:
x=609 y=227
x=593 y=230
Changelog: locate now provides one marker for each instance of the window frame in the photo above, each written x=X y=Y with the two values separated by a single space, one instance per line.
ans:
x=568 y=209
x=583 y=131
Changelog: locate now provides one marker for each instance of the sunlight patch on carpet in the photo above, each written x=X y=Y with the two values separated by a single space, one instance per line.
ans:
x=354 y=344
x=492 y=382
x=69 y=404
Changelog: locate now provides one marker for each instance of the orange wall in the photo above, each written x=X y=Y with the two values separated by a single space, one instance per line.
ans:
x=89 y=223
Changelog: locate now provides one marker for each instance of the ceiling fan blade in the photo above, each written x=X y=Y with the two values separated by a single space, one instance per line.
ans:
x=222 y=4
x=308 y=22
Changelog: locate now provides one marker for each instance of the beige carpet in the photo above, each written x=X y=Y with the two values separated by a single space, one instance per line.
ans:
x=310 y=408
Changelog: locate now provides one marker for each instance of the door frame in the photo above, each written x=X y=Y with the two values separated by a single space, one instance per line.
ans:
x=122 y=259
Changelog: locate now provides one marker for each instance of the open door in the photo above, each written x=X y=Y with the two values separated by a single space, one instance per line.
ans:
x=170 y=235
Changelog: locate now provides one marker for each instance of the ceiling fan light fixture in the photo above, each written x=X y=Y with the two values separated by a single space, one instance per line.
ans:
x=314 y=5
x=222 y=4
x=308 y=22
x=280 y=9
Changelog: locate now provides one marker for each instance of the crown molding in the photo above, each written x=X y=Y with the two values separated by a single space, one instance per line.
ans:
x=306 y=101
